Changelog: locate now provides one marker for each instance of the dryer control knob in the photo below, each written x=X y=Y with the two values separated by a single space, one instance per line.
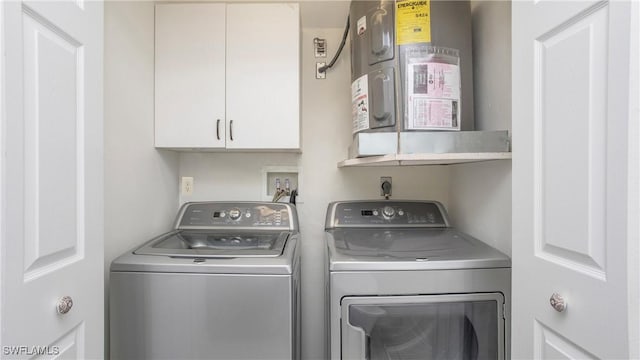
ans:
x=235 y=214
x=388 y=211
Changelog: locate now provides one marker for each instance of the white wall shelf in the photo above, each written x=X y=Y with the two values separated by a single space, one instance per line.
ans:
x=424 y=159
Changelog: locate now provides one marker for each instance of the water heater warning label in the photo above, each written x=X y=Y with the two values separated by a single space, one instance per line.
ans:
x=360 y=103
x=413 y=21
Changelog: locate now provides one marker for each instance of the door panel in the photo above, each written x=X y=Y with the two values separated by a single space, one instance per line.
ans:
x=571 y=68
x=548 y=344
x=570 y=164
x=71 y=344
x=53 y=136
x=52 y=239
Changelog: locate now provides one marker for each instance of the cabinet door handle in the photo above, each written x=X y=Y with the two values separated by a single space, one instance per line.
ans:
x=218 y=129
x=231 y=130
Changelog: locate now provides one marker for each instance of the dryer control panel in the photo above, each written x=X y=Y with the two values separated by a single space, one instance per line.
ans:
x=386 y=214
x=236 y=215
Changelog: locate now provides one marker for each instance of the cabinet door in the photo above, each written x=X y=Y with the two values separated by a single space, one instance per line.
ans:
x=263 y=86
x=190 y=76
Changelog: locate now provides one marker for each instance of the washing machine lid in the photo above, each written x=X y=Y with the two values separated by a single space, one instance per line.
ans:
x=217 y=244
x=409 y=249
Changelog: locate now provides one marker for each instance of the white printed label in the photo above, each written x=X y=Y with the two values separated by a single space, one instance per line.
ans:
x=433 y=96
x=433 y=114
x=360 y=103
x=362 y=25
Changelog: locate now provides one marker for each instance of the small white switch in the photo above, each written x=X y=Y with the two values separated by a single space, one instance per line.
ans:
x=187 y=185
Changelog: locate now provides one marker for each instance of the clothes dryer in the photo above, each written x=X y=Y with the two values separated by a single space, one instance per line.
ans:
x=402 y=284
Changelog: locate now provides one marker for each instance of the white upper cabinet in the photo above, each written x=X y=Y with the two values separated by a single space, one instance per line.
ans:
x=227 y=76
x=263 y=84
x=190 y=76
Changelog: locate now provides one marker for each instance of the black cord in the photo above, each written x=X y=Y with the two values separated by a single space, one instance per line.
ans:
x=292 y=196
x=335 y=57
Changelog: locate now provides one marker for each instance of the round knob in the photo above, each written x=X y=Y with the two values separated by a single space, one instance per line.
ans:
x=234 y=214
x=388 y=211
x=64 y=304
x=557 y=302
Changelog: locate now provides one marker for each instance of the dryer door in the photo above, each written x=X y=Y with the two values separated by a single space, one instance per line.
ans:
x=459 y=326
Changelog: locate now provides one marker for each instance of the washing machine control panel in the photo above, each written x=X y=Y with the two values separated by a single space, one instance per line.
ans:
x=386 y=213
x=237 y=215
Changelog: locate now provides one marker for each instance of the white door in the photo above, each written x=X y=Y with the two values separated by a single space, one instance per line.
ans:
x=52 y=208
x=263 y=80
x=571 y=180
x=190 y=76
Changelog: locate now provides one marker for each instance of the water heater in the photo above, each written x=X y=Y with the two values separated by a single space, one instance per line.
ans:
x=411 y=66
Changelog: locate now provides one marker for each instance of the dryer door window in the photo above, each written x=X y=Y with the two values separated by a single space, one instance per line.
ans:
x=464 y=326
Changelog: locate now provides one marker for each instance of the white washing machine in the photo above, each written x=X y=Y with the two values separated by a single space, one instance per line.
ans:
x=403 y=284
x=224 y=284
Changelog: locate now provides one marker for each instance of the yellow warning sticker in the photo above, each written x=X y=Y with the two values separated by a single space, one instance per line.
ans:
x=413 y=21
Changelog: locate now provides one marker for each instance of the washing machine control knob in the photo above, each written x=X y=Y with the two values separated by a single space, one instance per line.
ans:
x=388 y=211
x=235 y=214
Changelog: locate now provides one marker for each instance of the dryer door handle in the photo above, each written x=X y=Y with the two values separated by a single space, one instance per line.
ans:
x=354 y=342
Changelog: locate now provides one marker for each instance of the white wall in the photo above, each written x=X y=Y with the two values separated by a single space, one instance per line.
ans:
x=141 y=183
x=480 y=198
x=326 y=134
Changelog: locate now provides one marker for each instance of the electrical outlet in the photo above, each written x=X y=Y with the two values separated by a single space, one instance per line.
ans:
x=384 y=179
x=320 y=75
x=187 y=185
